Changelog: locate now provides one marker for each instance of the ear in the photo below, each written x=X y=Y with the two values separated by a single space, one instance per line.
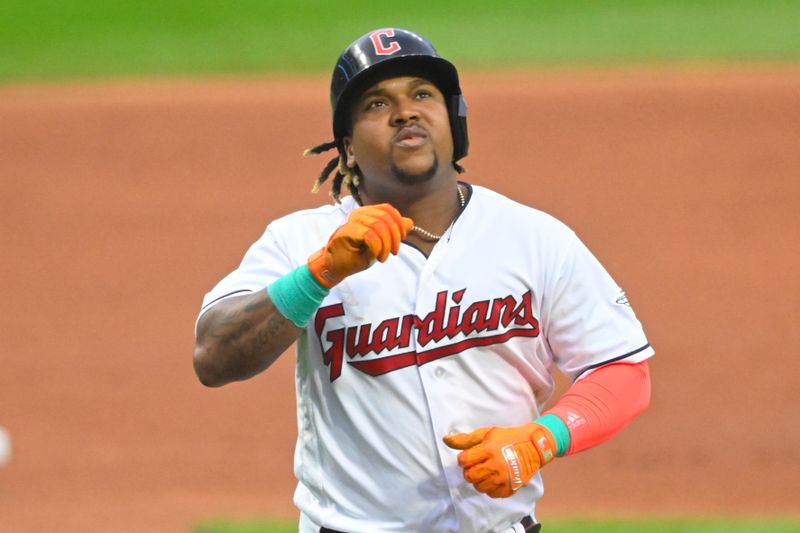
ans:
x=350 y=158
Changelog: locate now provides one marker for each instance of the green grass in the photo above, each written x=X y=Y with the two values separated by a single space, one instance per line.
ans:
x=562 y=526
x=222 y=526
x=54 y=39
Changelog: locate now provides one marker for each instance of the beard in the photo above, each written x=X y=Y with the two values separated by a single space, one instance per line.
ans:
x=419 y=177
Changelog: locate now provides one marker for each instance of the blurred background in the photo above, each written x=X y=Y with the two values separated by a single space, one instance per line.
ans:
x=144 y=146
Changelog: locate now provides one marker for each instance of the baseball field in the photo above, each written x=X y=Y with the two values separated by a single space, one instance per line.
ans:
x=143 y=148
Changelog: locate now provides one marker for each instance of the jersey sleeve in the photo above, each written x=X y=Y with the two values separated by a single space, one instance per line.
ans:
x=263 y=263
x=590 y=321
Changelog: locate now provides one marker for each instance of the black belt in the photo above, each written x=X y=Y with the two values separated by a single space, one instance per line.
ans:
x=527 y=522
x=529 y=525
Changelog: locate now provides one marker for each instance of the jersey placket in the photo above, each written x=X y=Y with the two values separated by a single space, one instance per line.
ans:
x=432 y=375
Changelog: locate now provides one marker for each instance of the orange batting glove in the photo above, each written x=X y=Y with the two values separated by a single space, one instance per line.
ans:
x=370 y=233
x=500 y=461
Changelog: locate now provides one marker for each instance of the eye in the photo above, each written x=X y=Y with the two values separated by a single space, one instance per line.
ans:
x=375 y=104
x=423 y=93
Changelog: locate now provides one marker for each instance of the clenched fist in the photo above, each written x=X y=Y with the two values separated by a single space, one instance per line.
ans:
x=370 y=233
x=500 y=461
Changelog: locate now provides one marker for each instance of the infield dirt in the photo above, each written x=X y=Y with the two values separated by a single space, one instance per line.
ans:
x=124 y=202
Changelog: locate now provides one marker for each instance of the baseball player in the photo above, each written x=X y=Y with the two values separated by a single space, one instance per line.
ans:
x=429 y=315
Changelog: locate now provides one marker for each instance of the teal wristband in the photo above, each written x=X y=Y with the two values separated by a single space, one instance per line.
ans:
x=559 y=430
x=297 y=295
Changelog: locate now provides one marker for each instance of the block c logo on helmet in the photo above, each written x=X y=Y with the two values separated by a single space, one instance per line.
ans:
x=380 y=49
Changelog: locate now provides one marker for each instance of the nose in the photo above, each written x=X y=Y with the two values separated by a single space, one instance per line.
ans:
x=404 y=111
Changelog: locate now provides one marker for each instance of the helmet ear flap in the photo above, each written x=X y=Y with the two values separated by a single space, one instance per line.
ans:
x=457 y=110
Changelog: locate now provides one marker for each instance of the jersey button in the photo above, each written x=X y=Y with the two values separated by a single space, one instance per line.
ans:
x=439 y=372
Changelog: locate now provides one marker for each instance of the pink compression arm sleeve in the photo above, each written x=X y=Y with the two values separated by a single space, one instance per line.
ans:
x=598 y=406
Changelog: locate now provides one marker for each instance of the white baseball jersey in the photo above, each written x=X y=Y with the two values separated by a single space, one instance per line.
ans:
x=409 y=350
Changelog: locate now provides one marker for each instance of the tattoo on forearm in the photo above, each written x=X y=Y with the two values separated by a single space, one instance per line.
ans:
x=267 y=331
x=246 y=334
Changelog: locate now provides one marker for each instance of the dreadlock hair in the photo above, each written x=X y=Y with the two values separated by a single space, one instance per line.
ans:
x=344 y=174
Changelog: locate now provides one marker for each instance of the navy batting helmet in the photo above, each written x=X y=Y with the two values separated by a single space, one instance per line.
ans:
x=395 y=52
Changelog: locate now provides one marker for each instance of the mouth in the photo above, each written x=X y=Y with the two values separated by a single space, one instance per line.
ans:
x=410 y=137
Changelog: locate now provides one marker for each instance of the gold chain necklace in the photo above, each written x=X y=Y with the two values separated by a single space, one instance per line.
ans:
x=432 y=236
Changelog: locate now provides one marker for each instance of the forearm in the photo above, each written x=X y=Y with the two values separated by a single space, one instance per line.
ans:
x=500 y=460
x=240 y=337
x=597 y=407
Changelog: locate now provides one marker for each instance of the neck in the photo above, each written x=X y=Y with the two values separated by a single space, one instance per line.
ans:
x=431 y=206
x=434 y=212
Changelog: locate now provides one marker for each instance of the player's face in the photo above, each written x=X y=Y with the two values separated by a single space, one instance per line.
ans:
x=401 y=130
